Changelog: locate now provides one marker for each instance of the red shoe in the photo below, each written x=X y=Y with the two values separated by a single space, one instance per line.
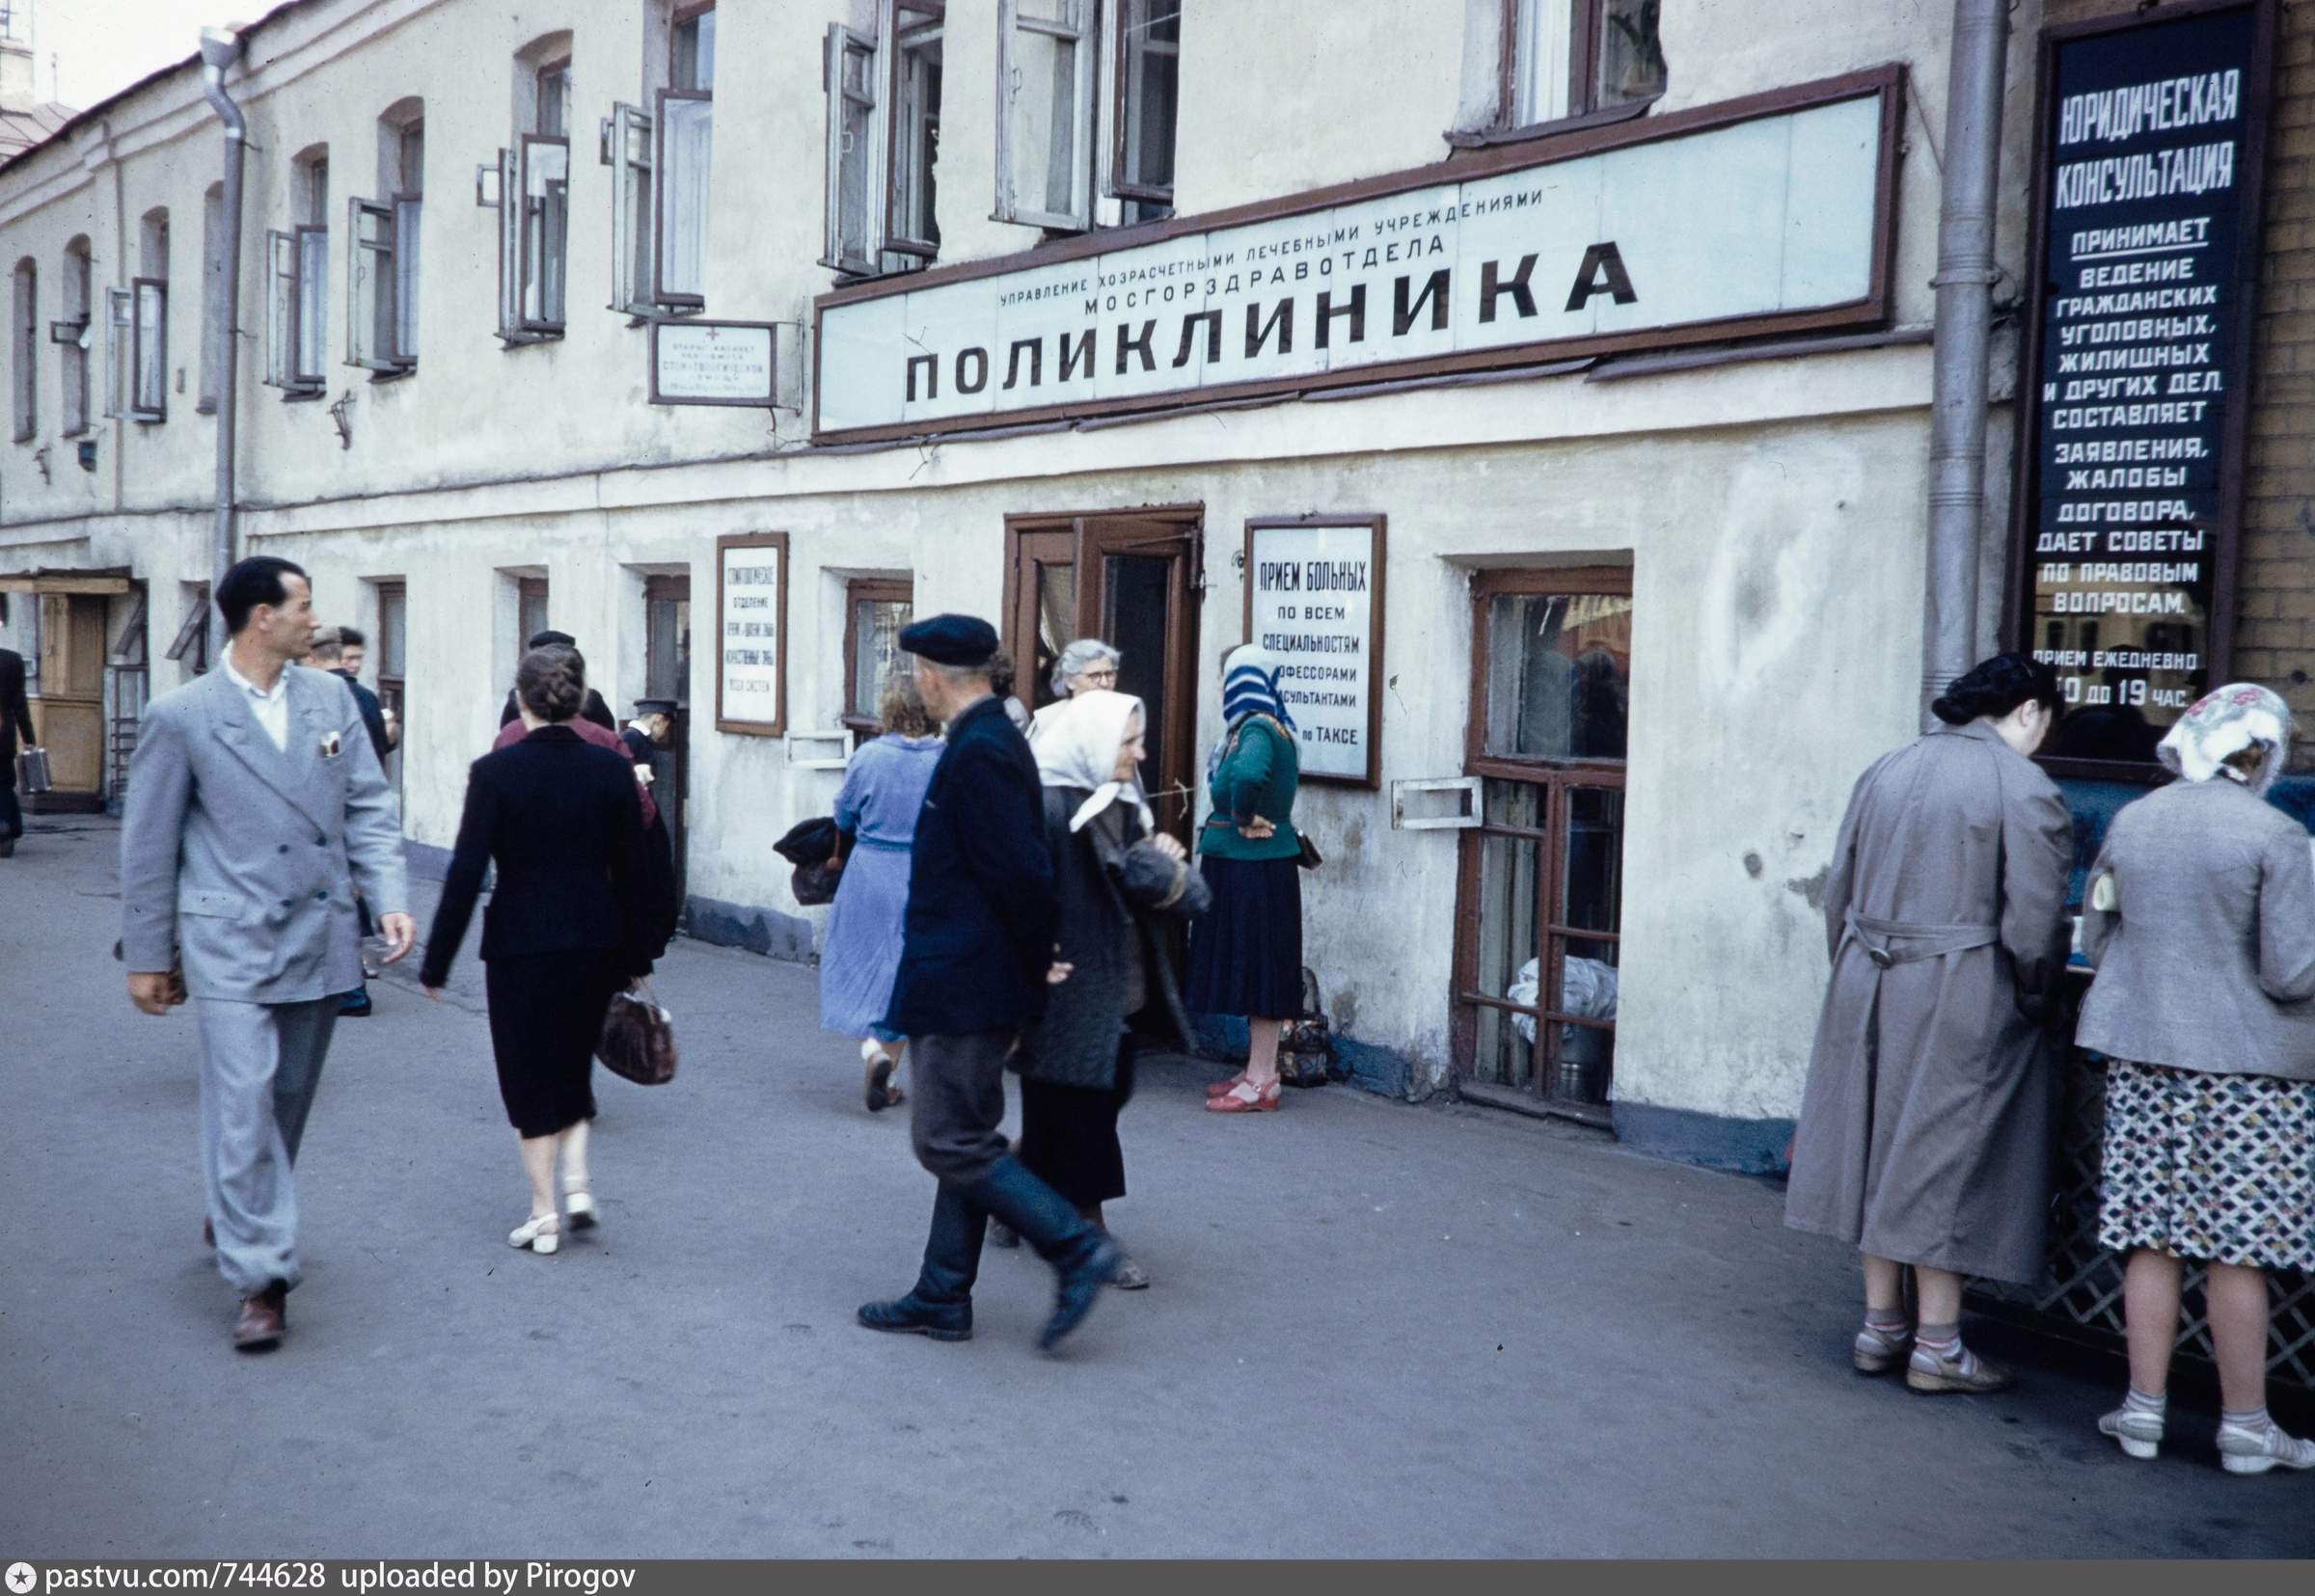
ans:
x=1242 y=1099
x=1215 y=1088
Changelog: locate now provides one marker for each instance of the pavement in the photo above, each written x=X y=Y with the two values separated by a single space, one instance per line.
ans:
x=1376 y=1329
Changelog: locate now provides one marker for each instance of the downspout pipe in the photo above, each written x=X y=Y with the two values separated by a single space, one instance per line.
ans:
x=220 y=49
x=1964 y=315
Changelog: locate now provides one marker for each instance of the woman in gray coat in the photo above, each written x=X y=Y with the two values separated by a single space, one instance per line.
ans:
x=2200 y=920
x=1926 y=1125
x=1117 y=880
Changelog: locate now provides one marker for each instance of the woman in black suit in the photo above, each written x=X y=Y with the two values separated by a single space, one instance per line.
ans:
x=568 y=925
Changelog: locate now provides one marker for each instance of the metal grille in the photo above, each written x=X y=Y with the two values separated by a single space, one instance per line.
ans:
x=2084 y=1285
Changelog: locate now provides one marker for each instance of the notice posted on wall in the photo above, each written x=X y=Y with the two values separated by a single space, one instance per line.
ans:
x=1315 y=599
x=711 y=363
x=2151 y=212
x=751 y=657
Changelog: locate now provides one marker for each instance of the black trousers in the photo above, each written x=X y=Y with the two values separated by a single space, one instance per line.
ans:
x=957 y=1101
x=12 y=814
x=1069 y=1135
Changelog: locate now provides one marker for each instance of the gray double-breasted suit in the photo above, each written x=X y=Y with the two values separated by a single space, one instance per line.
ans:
x=241 y=860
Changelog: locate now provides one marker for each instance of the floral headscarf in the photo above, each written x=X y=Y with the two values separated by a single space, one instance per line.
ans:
x=2223 y=723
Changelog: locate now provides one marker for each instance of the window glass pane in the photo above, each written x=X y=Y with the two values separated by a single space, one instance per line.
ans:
x=1559 y=672
x=1056 y=625
x=1510 y=937
x=530 y=614
x=1542 y=40
x=313 y=301
x=1153 y=42
x=695 y=53
x=852 y=193
x=414 y=158
x=555 y=101
x=1044 y=115
x=405 y=279
x=152 y=350
x=876 y=624
x=317 y=192
x=916 y=211
x=1632 y=56
x=668 y=639
x=392 y=615
x=546 y=215
x=1505 y=1054
x=683 y=250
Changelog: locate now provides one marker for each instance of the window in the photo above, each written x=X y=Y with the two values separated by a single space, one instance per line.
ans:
x=297 y=265
x=136 y=350
x=1573 y=58
x=875 y=610
x=382 y=264
x=884 y=138
x=531 y=191
x=72 y=336
x=1148 y=55
x=685 y=130
x=212 y=276
x=1055 y=58
x=26 y=321
x=529 y=612
x=394 y=612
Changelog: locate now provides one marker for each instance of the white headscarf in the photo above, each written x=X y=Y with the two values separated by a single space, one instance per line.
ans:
x=1078 y=744
x=2226 y=723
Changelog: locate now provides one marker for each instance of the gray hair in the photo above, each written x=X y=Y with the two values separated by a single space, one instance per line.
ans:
x=1080 y=656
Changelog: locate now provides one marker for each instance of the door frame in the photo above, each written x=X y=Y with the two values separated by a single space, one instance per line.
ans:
x=1557 y=778
x=1096 y=534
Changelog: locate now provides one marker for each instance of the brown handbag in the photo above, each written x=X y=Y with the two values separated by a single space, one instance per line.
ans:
x=639 y=1039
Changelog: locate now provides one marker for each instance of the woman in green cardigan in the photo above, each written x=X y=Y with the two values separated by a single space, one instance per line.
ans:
x=1245 y=955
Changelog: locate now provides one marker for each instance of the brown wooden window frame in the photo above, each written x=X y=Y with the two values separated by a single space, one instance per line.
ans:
x=859 y=591
x=1119 y=186
x=891 y=35
x=1584 y=110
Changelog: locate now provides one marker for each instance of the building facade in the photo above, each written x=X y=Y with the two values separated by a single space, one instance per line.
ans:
x=1550 y=379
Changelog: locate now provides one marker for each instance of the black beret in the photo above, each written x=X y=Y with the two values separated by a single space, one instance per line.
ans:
x=950 y=639
x=553 y=639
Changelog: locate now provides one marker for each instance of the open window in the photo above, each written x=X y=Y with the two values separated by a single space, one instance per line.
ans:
x=25 y=322
x=884 y=138
x=382 y=260
x=297 y=264
x=1572 y=59
x=875 y=611
x=1059 y=165
x=73 y=335
x=137 y=350
x=684 y=139
x=1145 y=54
x=530 y=190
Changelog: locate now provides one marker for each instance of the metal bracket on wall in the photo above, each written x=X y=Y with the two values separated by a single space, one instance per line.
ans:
x=1466 y=813
x=809 y=750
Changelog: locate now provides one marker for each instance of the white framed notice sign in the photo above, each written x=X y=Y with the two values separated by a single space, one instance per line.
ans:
x=751 y=634
x=718 y=363
x=1313 y=598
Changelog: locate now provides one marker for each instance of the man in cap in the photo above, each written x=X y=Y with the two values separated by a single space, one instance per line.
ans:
x=977 y=954
x=594 y=709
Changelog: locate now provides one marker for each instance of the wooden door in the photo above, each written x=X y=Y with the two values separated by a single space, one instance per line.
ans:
x=69 y=711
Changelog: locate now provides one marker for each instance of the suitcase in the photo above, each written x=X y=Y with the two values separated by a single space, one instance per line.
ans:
x=32 y=765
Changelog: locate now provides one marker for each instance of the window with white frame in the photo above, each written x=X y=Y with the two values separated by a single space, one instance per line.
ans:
x=297 y=268
x=1578 y=58
x=1060 y=166
x=531 y=189
x=685 y=121
x=73 y=335
x=884 y=138
x=212 y=298
x=25 y=322
x=383 y=259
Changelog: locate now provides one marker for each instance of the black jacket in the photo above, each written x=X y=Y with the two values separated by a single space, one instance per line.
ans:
x=594 y=709
x=562 y=821
x=977 y=936
x=374 y=713
x=16 y=714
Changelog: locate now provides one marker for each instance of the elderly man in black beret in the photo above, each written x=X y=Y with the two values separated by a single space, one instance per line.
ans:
x=976 y=957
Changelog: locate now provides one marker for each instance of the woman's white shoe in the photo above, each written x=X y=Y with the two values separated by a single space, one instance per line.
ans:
x=578 y=1208
x=542 y=1233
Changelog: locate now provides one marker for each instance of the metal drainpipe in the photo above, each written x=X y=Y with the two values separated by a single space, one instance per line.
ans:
x=219 y=50
x=1963 y=284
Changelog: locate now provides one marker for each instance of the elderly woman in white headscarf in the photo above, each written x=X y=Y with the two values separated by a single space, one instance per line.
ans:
x=1117 y=878
x=2201 y=919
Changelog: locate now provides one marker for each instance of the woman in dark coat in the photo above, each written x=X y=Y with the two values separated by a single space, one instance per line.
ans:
x=1117 y=880
x=568 y=926
x=1926 y=1126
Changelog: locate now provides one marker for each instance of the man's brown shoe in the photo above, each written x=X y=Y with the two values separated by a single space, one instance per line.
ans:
x=261 y=1319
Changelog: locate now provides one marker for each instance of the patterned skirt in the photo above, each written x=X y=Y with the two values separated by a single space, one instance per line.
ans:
x=2215 y=1168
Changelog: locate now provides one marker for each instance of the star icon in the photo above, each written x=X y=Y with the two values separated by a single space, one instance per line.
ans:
x=21 y=1579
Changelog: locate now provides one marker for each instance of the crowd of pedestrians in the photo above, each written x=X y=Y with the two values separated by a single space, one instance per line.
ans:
x=1008 y=905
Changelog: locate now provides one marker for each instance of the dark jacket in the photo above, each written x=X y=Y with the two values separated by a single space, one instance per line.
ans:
x=1111 y=896
x=374 y=713
x=15 y=713
x=977 y=936
x=594 y=709
x=562 y=822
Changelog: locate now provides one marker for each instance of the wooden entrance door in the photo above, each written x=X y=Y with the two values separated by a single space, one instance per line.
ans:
x=1131 y=580
x=69 y=710
x=667 y=674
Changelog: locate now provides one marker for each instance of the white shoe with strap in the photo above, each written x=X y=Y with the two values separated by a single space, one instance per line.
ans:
x=2139 y=1434
x=542 y=1233
x=2243 y=1451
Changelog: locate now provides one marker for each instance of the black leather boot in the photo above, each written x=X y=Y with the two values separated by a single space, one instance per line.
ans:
x=940 y=1304
x=1081 y=1255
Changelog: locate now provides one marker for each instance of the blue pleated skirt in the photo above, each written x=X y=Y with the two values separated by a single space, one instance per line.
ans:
x=1245 y=952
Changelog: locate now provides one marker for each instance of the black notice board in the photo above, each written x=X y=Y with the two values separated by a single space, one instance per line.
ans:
x=2136 y=387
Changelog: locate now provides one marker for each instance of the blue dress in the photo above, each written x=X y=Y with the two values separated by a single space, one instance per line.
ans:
x=882 y=792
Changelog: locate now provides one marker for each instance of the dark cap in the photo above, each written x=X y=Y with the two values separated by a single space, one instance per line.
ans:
x=655 y=705
x=553 y=639
x=950 y=639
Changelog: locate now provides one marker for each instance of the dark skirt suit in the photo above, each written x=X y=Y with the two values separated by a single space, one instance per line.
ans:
x=569 y=923
x=1076 y=1062
x=1246 y=958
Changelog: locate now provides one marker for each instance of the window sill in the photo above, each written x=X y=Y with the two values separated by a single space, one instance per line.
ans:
x=301 y=396
x=74 y=432
x=206 y=406
x=525 y=340
x=394 y=375
x=1487 y=138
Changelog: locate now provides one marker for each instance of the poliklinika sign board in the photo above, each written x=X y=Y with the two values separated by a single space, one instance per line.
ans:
x=1773 y=214
x=2147 y=226
x=1313 y=598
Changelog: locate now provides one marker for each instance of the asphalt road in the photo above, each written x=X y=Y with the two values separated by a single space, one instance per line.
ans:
x=1376 y=1329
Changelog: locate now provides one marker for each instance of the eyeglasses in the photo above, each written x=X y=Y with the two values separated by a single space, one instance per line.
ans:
x=1101 y=676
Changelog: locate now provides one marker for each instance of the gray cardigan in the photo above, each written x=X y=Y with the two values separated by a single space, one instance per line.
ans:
x=2208 y=961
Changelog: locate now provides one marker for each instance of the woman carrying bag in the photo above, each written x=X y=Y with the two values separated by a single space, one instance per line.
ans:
x=2200 y=916
x=1118 y=880
x=1246 y=958
x=569 y=925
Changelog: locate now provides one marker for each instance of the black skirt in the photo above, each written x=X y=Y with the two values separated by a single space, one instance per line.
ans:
x=1245 y=952
x=1068 y=1135
x=546 y=1015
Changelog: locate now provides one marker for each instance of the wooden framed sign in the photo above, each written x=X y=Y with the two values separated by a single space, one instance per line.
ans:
x=752 y=643
x=1313 y=597
x=714 y=363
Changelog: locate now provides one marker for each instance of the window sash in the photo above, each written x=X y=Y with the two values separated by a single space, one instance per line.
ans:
x=148 y=343
x=310 y=348
x=1130 y=174
x=119 y=351
x=26 y=384
x=1072 y=185
x=692 y=50
x=71 y=337
x=544 y=233
x=402 y=346
x=370 y=287
x=850 y=150
x=912 y=124
x=682 y=154
x=626 y=147
x=280 y=310
x=509 y=183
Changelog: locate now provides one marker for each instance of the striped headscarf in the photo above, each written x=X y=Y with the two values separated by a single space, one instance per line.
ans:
x=1249 y=688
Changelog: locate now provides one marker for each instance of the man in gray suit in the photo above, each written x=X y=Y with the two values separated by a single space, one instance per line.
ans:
x=255 y=813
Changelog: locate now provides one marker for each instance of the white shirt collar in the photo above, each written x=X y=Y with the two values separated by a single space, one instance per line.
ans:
x=281 y=683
